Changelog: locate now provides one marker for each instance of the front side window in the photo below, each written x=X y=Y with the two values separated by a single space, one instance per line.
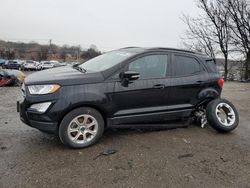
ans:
x=152 y=66
x=185 y=66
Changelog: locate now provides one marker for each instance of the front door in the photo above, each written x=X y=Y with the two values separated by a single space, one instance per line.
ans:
x=144 y=98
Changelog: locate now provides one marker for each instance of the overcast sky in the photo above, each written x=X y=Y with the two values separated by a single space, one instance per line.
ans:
x=109 y=24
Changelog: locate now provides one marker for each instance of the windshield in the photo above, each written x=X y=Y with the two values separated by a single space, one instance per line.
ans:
x=105 y=61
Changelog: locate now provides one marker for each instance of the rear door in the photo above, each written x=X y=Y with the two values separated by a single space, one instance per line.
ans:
x=143 y=99
x=189 y=78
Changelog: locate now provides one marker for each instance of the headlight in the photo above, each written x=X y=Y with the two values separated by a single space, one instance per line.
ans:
x=43 y=89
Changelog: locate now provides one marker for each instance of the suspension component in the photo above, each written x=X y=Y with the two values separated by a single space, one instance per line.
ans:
x=200 y=114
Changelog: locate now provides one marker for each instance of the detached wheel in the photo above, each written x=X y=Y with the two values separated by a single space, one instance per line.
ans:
x=81 y=128
x=222 y=115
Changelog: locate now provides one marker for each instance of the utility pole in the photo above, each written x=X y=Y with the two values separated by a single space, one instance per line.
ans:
x=50 y=47
x=78 y=54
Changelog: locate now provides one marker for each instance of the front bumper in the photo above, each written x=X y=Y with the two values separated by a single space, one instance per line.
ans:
x=33 y=119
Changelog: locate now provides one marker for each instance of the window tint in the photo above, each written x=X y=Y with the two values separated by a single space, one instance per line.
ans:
x=184 y=66
x=152 y=66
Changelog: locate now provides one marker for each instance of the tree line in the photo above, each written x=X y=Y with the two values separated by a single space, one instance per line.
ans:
x=39 y=52
x=222 y=29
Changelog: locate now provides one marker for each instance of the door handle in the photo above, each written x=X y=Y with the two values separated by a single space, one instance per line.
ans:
x=200 y=82
x=159 y=86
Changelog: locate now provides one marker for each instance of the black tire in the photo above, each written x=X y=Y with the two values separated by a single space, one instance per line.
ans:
x=214 y=121
x=63 y=128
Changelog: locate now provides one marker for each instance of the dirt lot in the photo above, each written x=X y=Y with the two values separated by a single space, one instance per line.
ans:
x=187 y=157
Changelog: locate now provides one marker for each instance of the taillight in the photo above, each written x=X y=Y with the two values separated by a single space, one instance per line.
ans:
x=220 y=83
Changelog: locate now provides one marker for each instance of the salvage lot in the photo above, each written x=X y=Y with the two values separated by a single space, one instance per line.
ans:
x=183 y=157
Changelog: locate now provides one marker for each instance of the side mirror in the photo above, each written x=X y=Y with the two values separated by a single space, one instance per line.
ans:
x=128 y=76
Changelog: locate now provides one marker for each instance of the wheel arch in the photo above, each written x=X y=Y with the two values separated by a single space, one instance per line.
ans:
x=206 y=95
x=204 y=102
x=79 y=105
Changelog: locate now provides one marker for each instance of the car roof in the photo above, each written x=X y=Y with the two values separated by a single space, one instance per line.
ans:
x=141 y=50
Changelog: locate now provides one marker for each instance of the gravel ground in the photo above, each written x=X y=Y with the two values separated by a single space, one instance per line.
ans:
x=186 y=157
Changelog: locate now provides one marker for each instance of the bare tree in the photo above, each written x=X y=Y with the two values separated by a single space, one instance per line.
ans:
x=43 y=54
x=63 y=55
x=240 y=25
x=89 y=54
x=198 y=36
x=211 y=31
x=219 y=17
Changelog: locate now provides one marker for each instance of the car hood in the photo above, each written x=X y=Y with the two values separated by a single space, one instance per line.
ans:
x=66 y=75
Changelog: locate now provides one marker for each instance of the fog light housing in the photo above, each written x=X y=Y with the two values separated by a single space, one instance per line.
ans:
x=40 y=107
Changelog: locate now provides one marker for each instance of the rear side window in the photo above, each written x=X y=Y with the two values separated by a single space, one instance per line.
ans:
x=185 y=66
x=211 y=66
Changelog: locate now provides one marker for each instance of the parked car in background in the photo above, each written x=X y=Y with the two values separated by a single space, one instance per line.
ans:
x=13 y=64
x=51 y=64
x=32 y=65
x=63 y=64
x=11 y=77
x=56 y=63
x=47 y=64
x=2 y=61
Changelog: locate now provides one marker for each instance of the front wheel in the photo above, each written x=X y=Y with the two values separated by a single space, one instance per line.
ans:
x=222 y=115
x=81 y=127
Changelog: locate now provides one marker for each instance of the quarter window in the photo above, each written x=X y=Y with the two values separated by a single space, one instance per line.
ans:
x=185 y=66
x=152 y=66
x=211 y=65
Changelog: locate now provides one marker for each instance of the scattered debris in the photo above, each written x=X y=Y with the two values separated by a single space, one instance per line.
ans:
x=130 y=164
x=106 y=153
x=186 y=141
x=189 y=176
x=145 y=147
x=119 y=167
x=223 y=159
x=185 y=155
x=12 y=165
x=3 y=147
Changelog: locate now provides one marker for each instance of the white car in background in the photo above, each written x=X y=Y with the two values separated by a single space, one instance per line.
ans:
x=47 y=64
x=32 y=65
x=51 y=64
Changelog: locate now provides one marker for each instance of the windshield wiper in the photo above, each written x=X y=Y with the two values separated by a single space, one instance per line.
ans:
x=77 y=67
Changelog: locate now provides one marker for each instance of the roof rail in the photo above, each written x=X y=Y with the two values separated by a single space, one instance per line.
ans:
x=174 y=49
x=129 y=47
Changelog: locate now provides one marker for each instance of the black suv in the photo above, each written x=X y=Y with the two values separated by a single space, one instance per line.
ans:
x=130 y=86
